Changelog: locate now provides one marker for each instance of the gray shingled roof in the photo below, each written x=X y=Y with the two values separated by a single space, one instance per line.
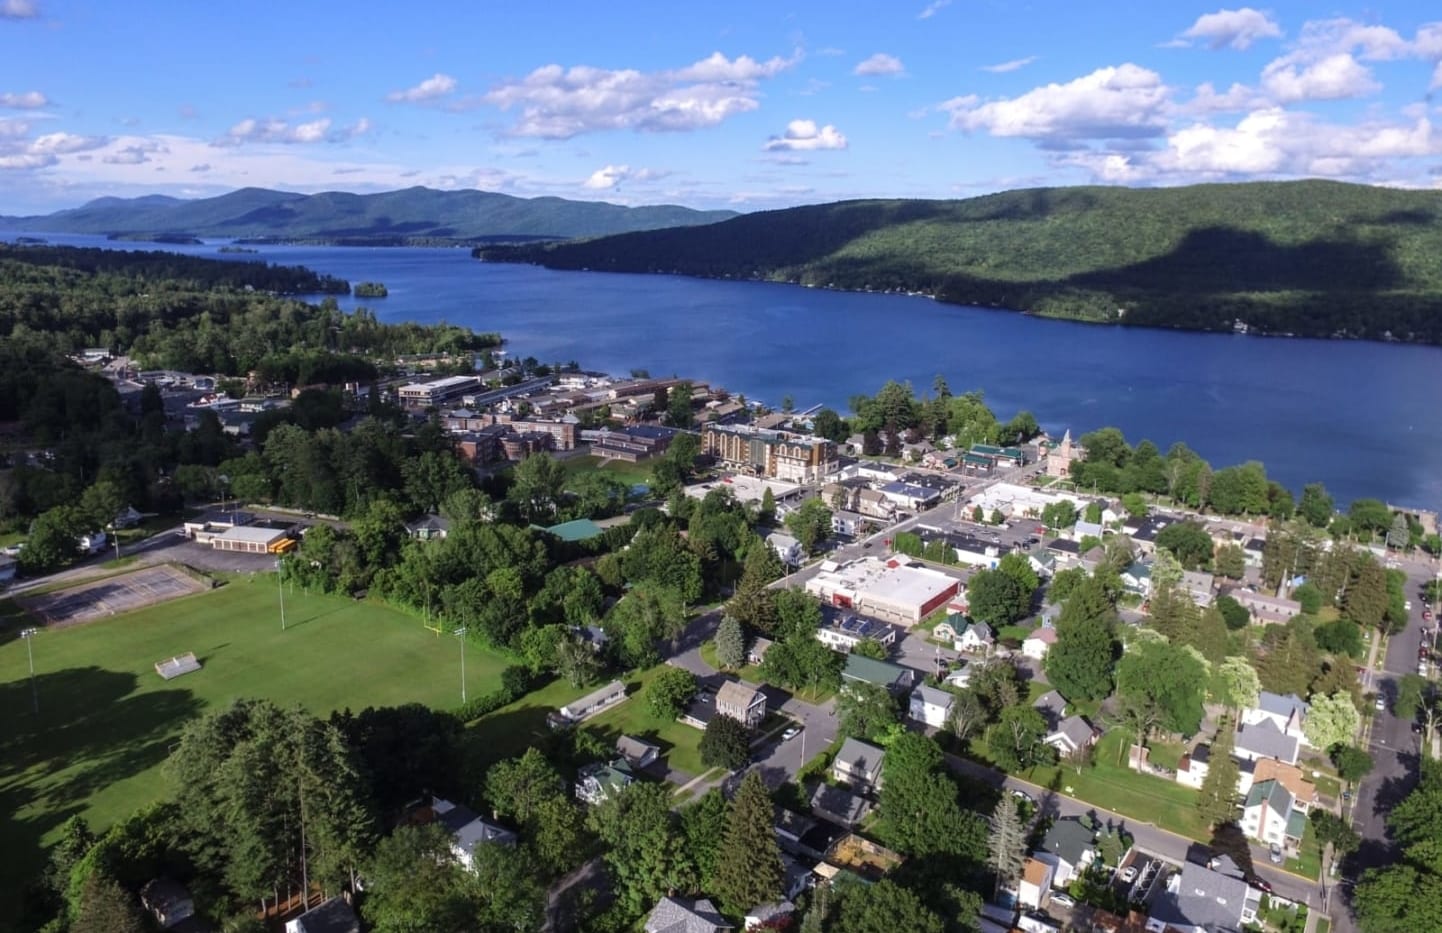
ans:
x=855 y=754
x=680 y=915
x=1206 y=899
x=1279 y=705
x=1068 y=839
x=1266 y=740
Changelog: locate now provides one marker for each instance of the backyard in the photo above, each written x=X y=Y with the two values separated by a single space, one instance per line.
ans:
x=107 y=721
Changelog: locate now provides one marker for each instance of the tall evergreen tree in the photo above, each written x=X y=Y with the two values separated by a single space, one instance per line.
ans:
x=730 y=644
x=106 y=907
x=1006 y=846
x=1217 y=802
x=748 y=866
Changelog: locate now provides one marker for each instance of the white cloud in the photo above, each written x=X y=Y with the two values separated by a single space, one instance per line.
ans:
x=805 y=136
x=437 y=85
x=1235 y=99
x=12 y=128
x=28 y=160
x=609 y=177
x=29 y=100
x=1126 y=101
x=1436 y=84
x=66 y=142
x=559 y=103
x=880 y=64
x=1013 y=65
x=933 y=8
x=1335 y=77
x=275 y=130
x=1235 y=29
x=18 y=9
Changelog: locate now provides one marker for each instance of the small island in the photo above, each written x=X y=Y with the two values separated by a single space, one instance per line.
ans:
x=370 y=290
x=237 y=249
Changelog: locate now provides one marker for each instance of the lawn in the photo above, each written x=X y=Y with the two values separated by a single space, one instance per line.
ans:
x=1110 y=784
x=629 y=473
x=750 y=673
x=107 y=721
x=680 y=745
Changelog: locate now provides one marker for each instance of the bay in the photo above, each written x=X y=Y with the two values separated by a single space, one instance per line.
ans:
x=1363 y=418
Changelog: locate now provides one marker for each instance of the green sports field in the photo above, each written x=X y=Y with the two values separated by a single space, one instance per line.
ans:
x=107 y=721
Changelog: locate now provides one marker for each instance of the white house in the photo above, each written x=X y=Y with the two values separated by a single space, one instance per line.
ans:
x=1201 y=587
x=977 y=637
x=1202 y=899
x=1039 y=642
x=1071 y=735
x=858 y=764
x=1270 y=815
x=468 y=829
x=1035 y=882
x=960 y=676
x=1069 y=847
x=1193 y=767
x=1287 y=713
x=930 y=705
x=787 y=548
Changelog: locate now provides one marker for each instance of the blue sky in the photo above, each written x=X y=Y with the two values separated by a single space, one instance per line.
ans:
x=749 y=105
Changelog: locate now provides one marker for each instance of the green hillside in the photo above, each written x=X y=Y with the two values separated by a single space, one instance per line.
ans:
x=392 y=215
x=1306 y=258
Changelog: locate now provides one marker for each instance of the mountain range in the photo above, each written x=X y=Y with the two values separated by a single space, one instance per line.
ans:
x=1306 y=258
x=412 y=213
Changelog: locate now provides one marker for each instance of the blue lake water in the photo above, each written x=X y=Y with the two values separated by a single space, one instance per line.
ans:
x=1364 y=418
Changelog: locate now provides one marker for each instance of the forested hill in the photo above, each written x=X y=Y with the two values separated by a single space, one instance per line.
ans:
x=1308 y=258
x=390 y=216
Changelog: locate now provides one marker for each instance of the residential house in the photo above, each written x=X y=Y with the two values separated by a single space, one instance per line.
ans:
x=1252 y=550
x=787 y=548
x=960 y=675
x=930 y=705
x=683 y=915
x=1144 y=533
x=1069 y=847
x=1192 y=768
x=861 y=669
x=1137 y=579
x=872 y=503
x=742 y=702
x=1035 y=884
x=1200 y=899
x=1066 y=552
x=638 y=752
x=599 y=781
x=846 y=632
x=594 y=702
x=910 y=496
x=839 y=805
x=1199 y=586
x=1270 y=815
x=977 y=637
x=468 y=829
x=1092 y=559
x=1266 y=609
x=1288 y=713
x=1083 y=529
x=1039 y=642
x=431 y=527
x=1265 y=740
x=168 y=902
x=858 y=764
x=1071 y=735
x=952 y=626
x=1052 y=706
x=756 y=652
x=332 y=916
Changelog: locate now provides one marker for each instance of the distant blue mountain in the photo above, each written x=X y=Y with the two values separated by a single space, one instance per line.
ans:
x=410 y=213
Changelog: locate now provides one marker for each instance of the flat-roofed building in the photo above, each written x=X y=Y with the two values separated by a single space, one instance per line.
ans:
x=888 y=590
x=420 y=395
x=253 y=540
x=779 y=455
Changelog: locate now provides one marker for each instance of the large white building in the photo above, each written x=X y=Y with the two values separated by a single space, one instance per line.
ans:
x=888 y=590
x=1013 y=500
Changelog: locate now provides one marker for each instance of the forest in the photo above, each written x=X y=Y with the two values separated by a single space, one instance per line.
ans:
x=1311 y=258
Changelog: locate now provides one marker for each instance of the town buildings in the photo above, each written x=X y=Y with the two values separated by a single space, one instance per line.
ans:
x=774 y=454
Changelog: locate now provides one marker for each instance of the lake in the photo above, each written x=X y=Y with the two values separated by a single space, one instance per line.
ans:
x=1364 y=418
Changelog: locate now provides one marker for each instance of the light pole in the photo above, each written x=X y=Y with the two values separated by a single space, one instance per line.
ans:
x=280 y=588
x=461 y=634
x=29 y=634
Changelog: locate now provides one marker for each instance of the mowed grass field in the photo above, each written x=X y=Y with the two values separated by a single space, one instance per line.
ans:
x=107 y=720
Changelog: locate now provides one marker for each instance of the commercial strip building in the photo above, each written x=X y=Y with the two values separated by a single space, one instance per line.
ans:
x=774 y=454
x=421 y=395
x=888 y=590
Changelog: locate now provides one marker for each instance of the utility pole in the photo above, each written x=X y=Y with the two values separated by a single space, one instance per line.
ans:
x=280 y=588
x=29 y=634
x=461 y=634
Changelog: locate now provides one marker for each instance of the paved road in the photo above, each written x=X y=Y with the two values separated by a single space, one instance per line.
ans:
x=1391 y=742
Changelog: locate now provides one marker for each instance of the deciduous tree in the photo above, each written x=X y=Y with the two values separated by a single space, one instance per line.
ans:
x=669 y=691
x=1014 y=741
x=865 y=711
x=1331 y=720
x=726 y=743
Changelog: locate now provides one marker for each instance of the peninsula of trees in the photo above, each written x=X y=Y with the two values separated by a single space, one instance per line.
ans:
x=1314 y=259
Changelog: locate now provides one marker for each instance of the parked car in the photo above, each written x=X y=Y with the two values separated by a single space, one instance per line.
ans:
x=1407 y=605
x=1381 y=704
x=1128 y=874
x=1426 y=615
x=1274 y=852
x=1062 y=899
x=1261 y=884
x=790 y=733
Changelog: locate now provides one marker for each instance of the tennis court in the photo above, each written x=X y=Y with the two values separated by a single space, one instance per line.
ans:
x=104 y=598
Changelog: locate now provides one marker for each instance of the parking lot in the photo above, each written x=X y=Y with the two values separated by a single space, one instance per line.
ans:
x=170 y=546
